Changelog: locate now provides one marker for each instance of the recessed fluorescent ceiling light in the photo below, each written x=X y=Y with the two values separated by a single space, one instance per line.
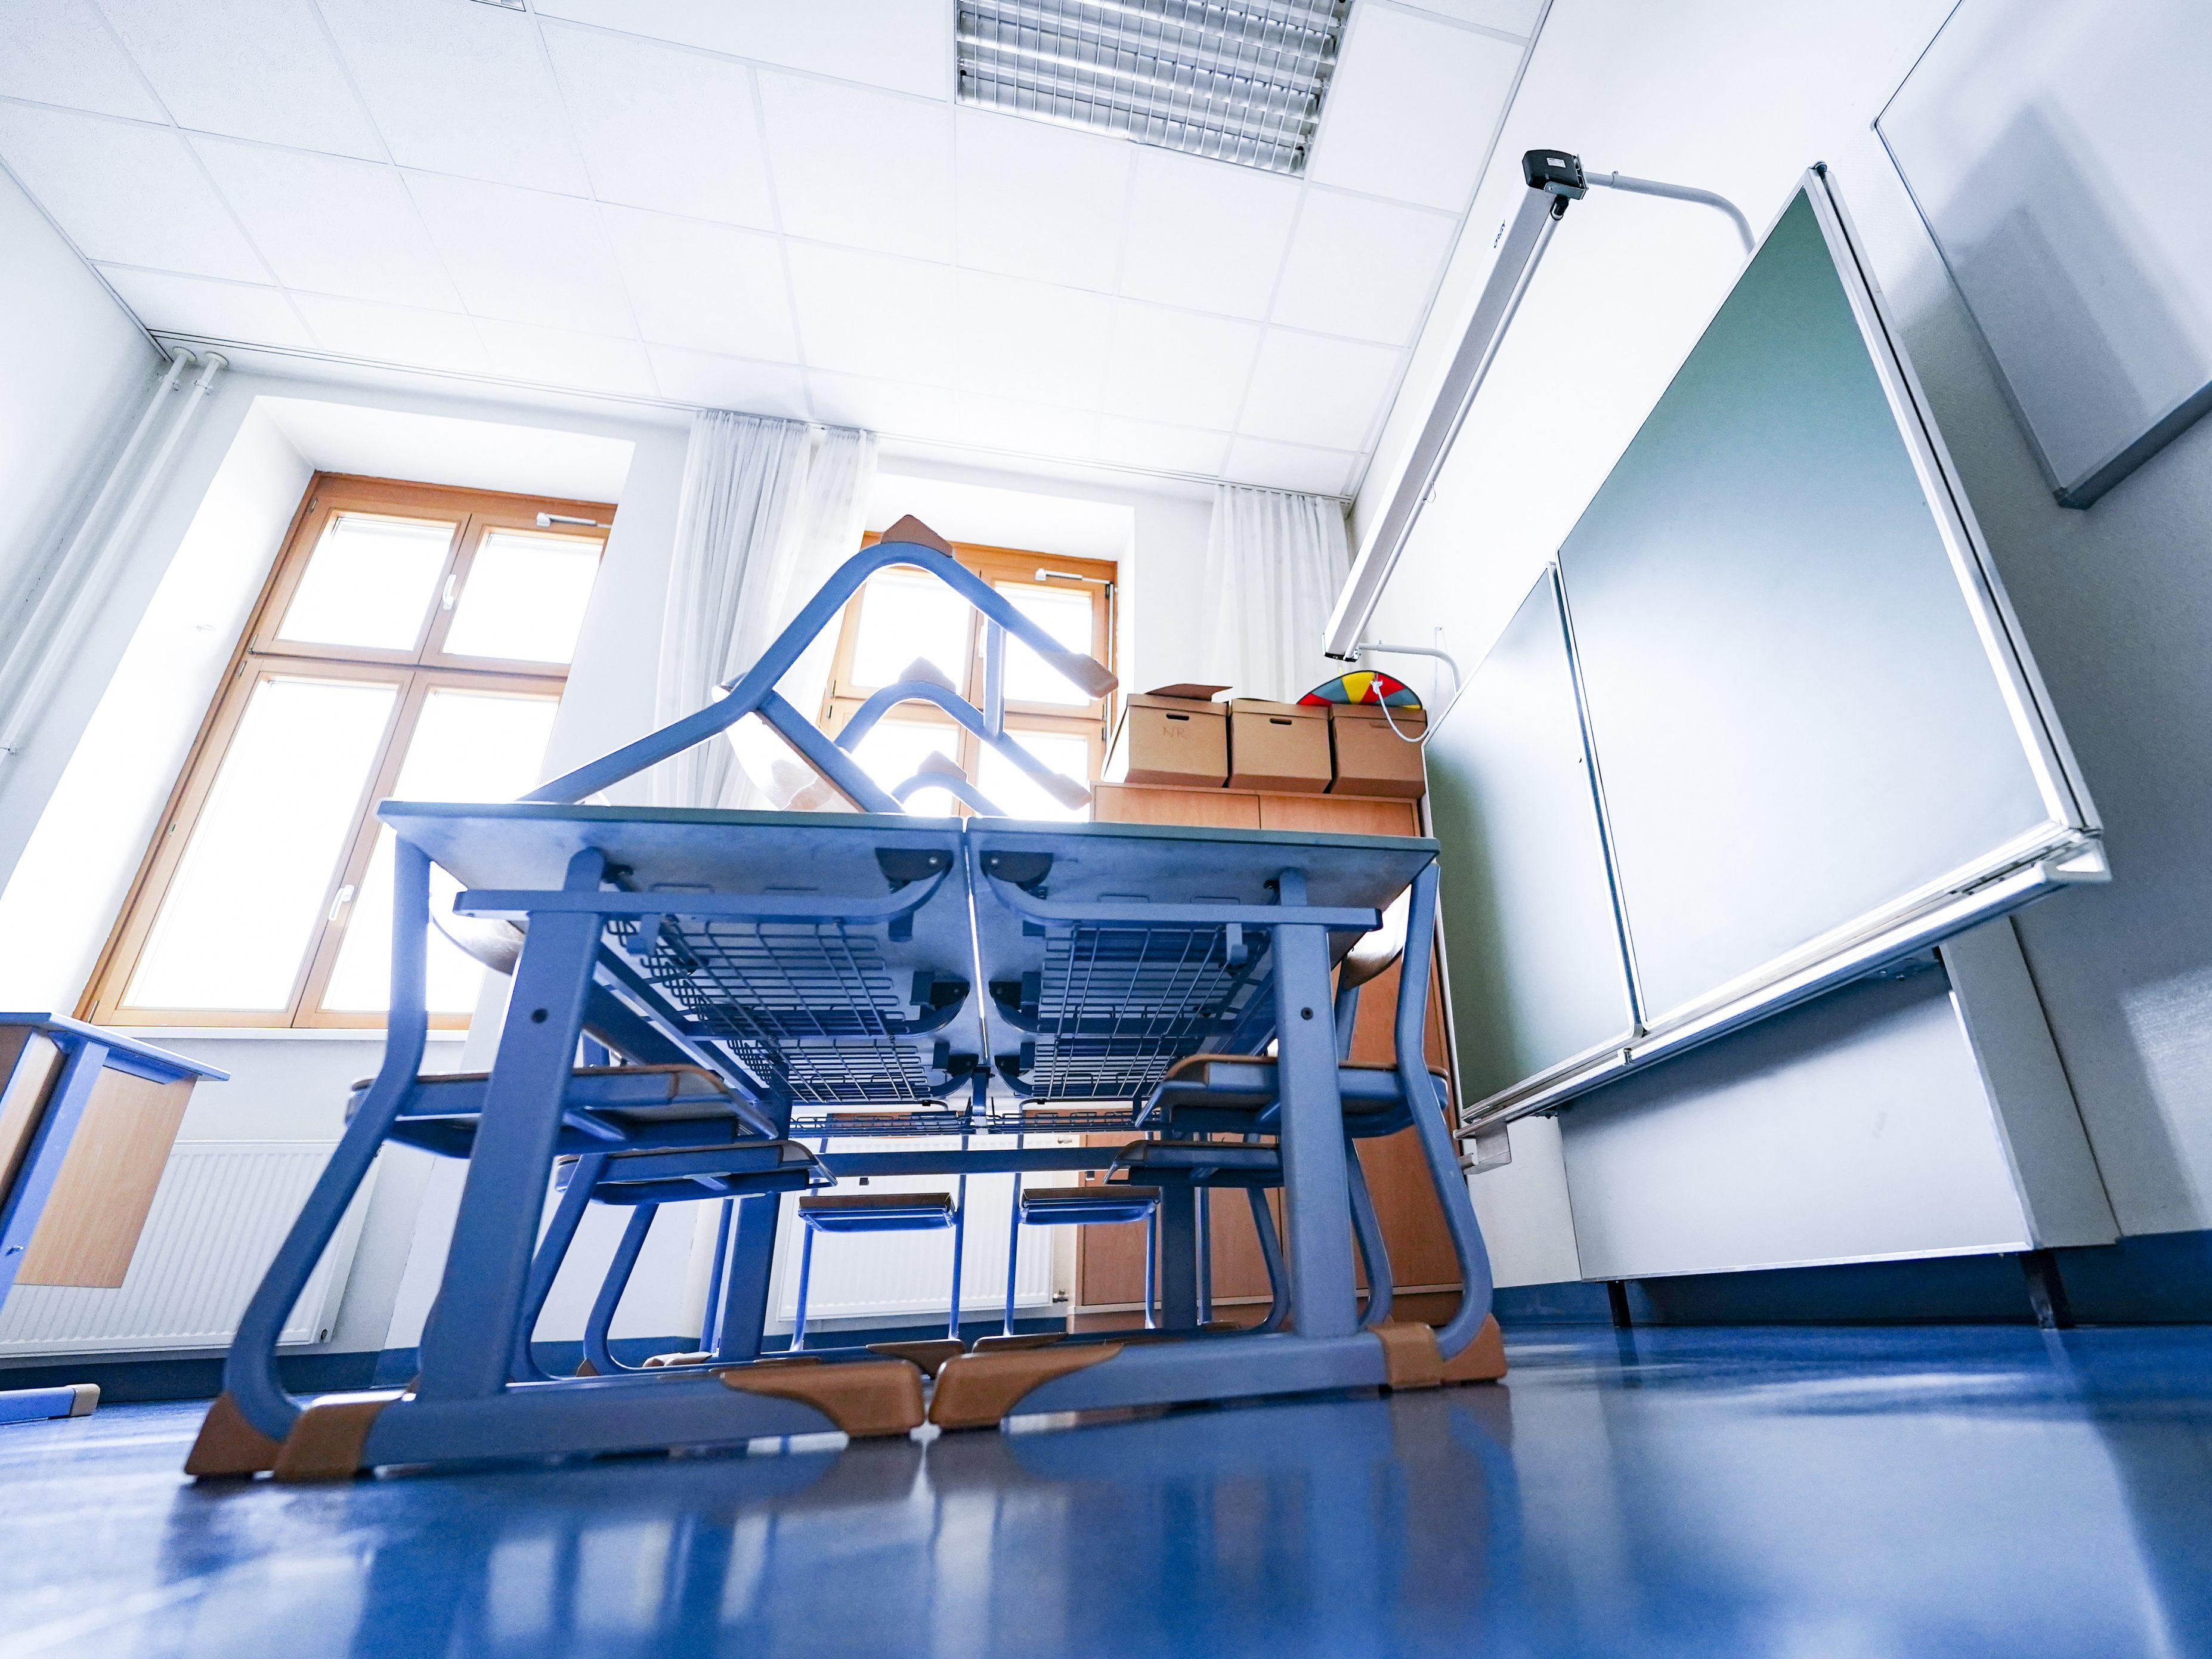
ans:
x=1235 y=80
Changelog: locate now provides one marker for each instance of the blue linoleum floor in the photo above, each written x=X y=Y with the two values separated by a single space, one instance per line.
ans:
x=1799 y=1493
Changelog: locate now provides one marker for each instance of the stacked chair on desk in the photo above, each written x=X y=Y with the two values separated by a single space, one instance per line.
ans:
x=769 y=979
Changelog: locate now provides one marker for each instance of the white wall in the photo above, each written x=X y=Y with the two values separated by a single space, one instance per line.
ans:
x=77 y=368
x=2115 y=602
x=1081 y=514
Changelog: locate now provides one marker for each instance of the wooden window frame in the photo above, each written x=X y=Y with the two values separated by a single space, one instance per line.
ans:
x=259 y=656
x=842 y=697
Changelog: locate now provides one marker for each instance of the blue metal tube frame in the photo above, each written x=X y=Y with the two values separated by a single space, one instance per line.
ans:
x=710 y=1321
x=959 y=1244
x=1437 y=1150
x=754 y=691
x=1013 y=1243
x=596 y=1329
x=249 y=1373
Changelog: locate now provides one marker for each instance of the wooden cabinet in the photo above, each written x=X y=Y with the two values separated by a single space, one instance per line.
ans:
x=1110 y=1268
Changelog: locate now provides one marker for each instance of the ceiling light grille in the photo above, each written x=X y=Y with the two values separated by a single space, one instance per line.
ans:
x=1235 y=80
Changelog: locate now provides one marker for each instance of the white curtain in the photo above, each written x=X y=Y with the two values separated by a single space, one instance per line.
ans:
x=1273 y=564
x=766 y=513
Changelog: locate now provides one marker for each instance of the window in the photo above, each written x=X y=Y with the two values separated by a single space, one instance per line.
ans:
x=902 y=617
x=412 y=643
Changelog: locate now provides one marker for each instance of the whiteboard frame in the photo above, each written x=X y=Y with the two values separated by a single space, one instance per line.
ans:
x=2065 y=850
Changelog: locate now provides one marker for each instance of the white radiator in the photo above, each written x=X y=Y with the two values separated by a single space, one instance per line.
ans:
x=222 y=1208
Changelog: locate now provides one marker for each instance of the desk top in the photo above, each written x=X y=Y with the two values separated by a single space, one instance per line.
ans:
x=524 y=844
x=528 y=844
x=130 y=1052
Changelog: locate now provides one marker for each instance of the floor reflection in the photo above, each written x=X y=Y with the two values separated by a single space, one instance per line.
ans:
x=1952 y=1491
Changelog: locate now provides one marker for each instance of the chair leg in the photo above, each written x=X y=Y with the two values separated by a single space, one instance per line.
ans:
x=1271 y=1253
x=710 y=1321
x=745 y=1281
x=545 y=1265
x=1152 y=1266
x=806 y=1273
x=959 y=1245
x=1013 y=1246
x=611 y=1291
x=1367 y=1229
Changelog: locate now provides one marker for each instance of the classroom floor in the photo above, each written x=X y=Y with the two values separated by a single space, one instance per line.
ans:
x=1815 y=1493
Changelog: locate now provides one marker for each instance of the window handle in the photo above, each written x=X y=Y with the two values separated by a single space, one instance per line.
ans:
x=344 y=899
x=453 y=589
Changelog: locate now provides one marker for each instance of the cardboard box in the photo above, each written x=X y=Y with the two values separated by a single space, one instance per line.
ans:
x=1371 y=759
x=1280 y=747
x=1175 y=735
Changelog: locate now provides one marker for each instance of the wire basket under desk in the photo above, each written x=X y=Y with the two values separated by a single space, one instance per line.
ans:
x=1110 y=1008
x=810 y=1004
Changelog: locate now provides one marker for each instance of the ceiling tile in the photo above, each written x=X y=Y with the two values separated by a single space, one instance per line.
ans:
x=1206 y=233
x=663 y=127
x=1362 y=267
x=1308 y=390
x=64 y=55
x=711 y=287
x=1160 y=448
x=864 y=168
x=715 y=382
x=329 y=224
x=1178 y=366
x=1032 y=340
x=131 y=194
x=1040 y=201
x=1412 y=107
x=1288 y=467
x=247 y=69
x=870 y=313
x=458 y=88
x=395 y=334
x=1512 y=16
x=524 y=256
x=194 y=305
x=936 y=413
x=901 y=44
x=562 y=357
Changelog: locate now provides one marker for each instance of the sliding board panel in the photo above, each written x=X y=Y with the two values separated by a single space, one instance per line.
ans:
x=1532 y=950
x=1811 y=716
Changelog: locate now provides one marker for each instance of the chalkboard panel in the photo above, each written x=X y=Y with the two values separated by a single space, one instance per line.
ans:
x=1533 y=949
x=1804 y=710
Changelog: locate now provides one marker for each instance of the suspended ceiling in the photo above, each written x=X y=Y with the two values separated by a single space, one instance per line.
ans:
x=758 y=206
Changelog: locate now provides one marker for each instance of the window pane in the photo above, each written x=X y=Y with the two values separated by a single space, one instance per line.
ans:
x=1064 y=613
x=1012 y=789
x=468 y=745
x=248 y=893
x=894 y=752
x=905 y=615
x=524 y=597
x=369 y=583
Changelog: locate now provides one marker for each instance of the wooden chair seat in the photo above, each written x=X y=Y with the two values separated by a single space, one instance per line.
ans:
x=876 y=1213
x=1076 y=1206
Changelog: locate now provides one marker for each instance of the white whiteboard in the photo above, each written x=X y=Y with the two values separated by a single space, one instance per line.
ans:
x=2059 y=154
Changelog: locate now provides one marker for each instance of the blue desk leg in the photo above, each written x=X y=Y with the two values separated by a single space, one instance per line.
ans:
x=1204 y=1254
x=42 y=1162
x=745 y=1287
x=1319 y=1221
x=470 y=1339
x=1178 y=1238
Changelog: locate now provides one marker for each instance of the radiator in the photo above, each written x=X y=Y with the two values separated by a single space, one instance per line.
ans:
x=222 y=1208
